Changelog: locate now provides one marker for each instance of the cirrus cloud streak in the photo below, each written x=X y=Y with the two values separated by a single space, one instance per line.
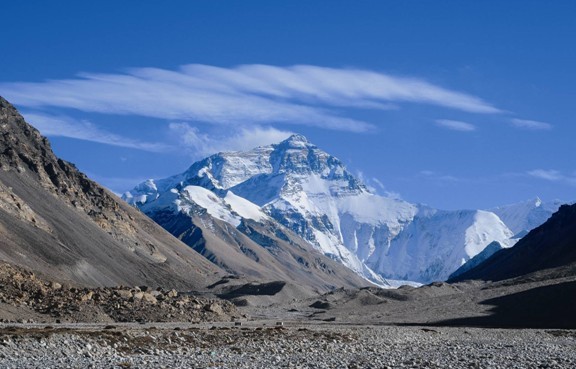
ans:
x=530 y=124
x=247 y=94
x=552 y=175
x=455 y=125
x=62 y=126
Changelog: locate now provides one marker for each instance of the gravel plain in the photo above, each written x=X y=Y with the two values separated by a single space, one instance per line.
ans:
x=265 y=345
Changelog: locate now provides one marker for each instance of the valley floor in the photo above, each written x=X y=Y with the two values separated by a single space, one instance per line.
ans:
x=262 y=344
x=435 y=326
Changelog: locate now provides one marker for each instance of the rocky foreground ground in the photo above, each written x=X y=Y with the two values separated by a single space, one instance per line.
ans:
x=260 y=345
x=45 y=324
x=26 y=298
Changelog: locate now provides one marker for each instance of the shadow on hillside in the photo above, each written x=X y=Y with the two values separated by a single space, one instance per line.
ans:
x=542 y=307
x=254 y=289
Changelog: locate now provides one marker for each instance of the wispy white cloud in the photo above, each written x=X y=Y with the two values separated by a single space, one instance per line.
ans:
x=547 y=174
x=201 y=144
x=389 y=194
x=439 y=177
x=552 y=175
x=366 y=181
x=455 y=125
x=248 y=94
x=530 y=124
x=379 y=183
x=376 y=186
x=337 y=86
x=63 y=126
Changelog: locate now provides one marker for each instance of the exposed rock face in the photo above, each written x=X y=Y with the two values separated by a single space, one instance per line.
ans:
x=56 y=221
x=550 y=246
x=26 y=152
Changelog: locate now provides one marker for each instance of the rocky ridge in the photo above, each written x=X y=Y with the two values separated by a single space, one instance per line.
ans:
x=25 y=150
x=57 y=222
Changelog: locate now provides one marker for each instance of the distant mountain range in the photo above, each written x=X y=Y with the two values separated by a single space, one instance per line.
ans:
x=296 y=189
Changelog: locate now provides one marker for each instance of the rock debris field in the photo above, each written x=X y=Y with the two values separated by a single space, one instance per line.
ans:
x=23 y=293
x=265 y=345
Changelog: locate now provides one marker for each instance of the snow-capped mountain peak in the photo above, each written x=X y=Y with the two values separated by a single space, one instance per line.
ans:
x=310 y=192
x=296 y=141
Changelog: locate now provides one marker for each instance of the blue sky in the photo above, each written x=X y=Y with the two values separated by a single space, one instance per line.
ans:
x=456 y=104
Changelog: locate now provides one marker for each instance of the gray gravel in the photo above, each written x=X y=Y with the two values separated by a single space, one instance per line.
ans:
x=258 y=346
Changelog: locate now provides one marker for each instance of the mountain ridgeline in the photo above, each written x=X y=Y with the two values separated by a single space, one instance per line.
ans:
x=296 y=193
x=547 y=249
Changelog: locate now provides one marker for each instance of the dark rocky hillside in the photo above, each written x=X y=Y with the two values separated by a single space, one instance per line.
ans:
x=57 y=222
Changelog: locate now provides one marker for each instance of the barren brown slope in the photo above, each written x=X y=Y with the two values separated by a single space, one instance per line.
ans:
x=57 y=222
x=261 y=251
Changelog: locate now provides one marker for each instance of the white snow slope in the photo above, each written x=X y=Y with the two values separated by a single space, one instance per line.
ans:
x=527 y=215
x=310 y=192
